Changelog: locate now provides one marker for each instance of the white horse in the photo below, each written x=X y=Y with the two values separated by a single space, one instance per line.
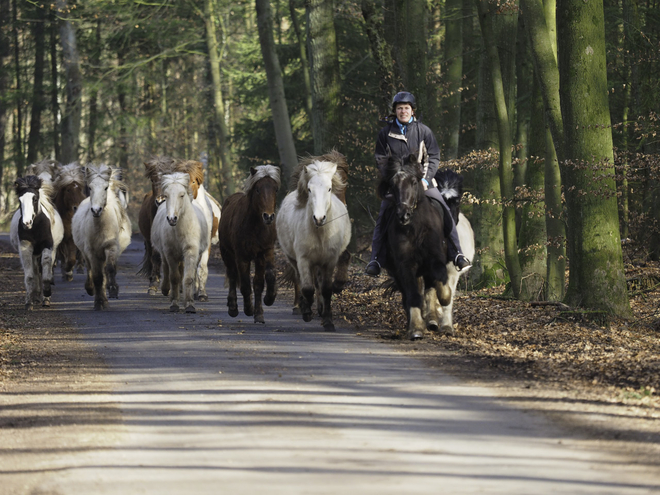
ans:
x=101 y=230
x=36 y=231
x=313 y=228
x=450 y=185
x=180 y=233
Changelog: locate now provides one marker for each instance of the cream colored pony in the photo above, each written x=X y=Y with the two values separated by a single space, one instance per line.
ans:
x=102 y=230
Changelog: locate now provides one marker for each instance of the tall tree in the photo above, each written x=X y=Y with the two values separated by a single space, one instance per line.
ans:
x=74 y=86
x=278 y=106
x=34 y=144
x=454 y=76
x=324 y=71
x=597 y=278
x=302 y=46
x=54 y=103
x=19 y=158
x=5 y=52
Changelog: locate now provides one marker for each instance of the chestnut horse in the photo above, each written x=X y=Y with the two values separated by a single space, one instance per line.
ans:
x=247 y=233
x=69 y=188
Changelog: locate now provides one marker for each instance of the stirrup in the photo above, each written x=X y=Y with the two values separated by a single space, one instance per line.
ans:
x=373 y=268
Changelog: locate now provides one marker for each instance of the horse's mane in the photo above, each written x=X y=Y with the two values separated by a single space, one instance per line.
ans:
x=318 y=167
x=193 y=168
x=37 y=184
x=69 y=174
x=334 y=156
x=259 y=172
x=158 y=165
x=450 y=183
x=394 y=165
x=181 y=178
x=113 y=175
x=27 y=183
x=45 y=166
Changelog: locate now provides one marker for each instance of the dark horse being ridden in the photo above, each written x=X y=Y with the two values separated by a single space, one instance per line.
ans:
x=247 y=233
x=417 y=248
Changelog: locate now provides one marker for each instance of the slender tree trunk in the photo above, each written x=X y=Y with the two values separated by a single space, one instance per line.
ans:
x=5 y=52
x=278 y=106
x=454 y=76
x=304 y=63
x=19 y=158
x=381 y=52
x=72 y=114
x=525 y=80
x=226 y=186
x=54 y=104
x=95 y=59
x=35 y=143
x=505 y=141
x=324 y=71
x=554 y=223
x=597 y=278
x=122 y=140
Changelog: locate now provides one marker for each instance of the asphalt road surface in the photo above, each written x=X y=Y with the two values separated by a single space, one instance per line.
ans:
x=211 y=404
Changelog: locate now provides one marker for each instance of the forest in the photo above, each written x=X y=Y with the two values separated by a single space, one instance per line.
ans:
x=549 y=111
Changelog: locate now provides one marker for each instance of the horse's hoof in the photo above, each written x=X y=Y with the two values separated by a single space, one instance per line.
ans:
x=113 y=292
x=68 y=277
x=29 y=306
x=259 y=319
x=248 y=311
x=296 y=311
x=203 y=298
x=269 y=300
x=190 y=309
x=90 y=292
x=98 y=306
x=165 y=292
x=449 y=330
x=233 y=312
x=47 y=291
x=174 y=308
x=338 y=286
x=416 y=335
x=152 y=291
x=432 y=325
x=307 y=316
x=46 y=303
x=329 y=327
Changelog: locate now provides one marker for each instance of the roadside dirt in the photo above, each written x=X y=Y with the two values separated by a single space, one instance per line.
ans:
x=598 y=381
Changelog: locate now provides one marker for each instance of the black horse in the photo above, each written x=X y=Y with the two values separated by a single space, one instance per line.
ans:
x=416 y=244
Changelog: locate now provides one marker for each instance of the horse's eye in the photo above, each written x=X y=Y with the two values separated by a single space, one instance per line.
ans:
x=106 y=188
x=329 y=189
x=309 y=189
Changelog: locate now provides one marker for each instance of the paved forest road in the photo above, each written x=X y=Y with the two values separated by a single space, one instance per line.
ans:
x=230 y=407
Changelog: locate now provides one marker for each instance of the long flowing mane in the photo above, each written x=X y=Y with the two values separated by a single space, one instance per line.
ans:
x=181 y=178
x=46 y=167
x=193 y=168
x=334 y=156
x=311 y=166
x=408 y=166
x=113 y=175
x=69 y=174
x=27 y=183
x=158 y=165
x=259 y=172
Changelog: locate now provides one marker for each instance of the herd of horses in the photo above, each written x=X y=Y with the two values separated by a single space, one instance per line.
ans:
x=78 y=215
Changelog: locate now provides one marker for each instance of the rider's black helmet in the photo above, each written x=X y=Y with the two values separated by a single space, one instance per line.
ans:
x=403 y=97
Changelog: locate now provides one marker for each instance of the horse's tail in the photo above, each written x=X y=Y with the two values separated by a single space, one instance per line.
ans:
x=450 y=185
x=288 y=276
x=145 y=265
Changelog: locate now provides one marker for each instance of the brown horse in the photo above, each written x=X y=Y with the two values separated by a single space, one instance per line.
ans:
x=341 y=270
x=69 y=192
x=247 y=233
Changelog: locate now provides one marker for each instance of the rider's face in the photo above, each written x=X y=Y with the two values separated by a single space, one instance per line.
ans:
x=403 y=112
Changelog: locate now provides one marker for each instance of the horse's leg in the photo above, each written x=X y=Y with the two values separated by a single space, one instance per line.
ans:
x=326 y=292
x=431 y=310
x=47 y=275
x=413 y=301
x=190 y=274
x=202 y=276
x=111 y=270
x=89 y=280
x=27 y=260
x=258 y=283
x=98 y=279
x=80 y=265
x=341 y=272
x=318 y=277
x=307 y=289
x=68 y=252
x=175 y=280
x=154 y=278
x=446 y=322
x=246 y=289
x=271 y=288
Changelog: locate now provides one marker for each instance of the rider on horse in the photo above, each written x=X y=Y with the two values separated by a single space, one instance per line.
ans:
x=403 y=134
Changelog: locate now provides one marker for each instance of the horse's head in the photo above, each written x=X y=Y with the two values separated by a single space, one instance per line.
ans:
x=69 y=187
x=27 y=190
x=177 y=193
x=261 y=187
x=402 y=179
x=315 y=184
x=97 y=178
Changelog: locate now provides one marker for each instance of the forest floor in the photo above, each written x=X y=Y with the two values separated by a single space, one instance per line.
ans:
x=601 y=379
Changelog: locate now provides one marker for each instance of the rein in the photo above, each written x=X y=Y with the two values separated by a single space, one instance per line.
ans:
x=336 y=218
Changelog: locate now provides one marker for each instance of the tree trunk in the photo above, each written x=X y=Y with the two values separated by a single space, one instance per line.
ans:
x=54 y=104
x=525 y=80
x=597 y=278
x=226 y=184
x=95 y=59
x=35 y=143
x=454 y=76
x=278 y=106
x=324 y=71
x=416 y=54
x=304 y=63
x=504 y=135
x=72 y=113
x=19 y=158
x=381 y=52
x=5 y=52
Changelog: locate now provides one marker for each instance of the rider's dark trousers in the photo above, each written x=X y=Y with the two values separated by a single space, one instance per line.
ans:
x=379 y=246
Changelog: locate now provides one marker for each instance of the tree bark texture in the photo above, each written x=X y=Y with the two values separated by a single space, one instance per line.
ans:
x=597 y=278
x=283 y=134
x=54 y=104
x=451 y=121
x=5 y=52
x=304 y=63
x=19 y=158
x=324 y=71
x=73 y=109
x=35 y=143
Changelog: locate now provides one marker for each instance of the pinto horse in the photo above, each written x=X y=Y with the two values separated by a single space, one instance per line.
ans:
x=247 y=233
x=416 y=245
x=314 y=229
x=36 y=231
x=69 y=192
